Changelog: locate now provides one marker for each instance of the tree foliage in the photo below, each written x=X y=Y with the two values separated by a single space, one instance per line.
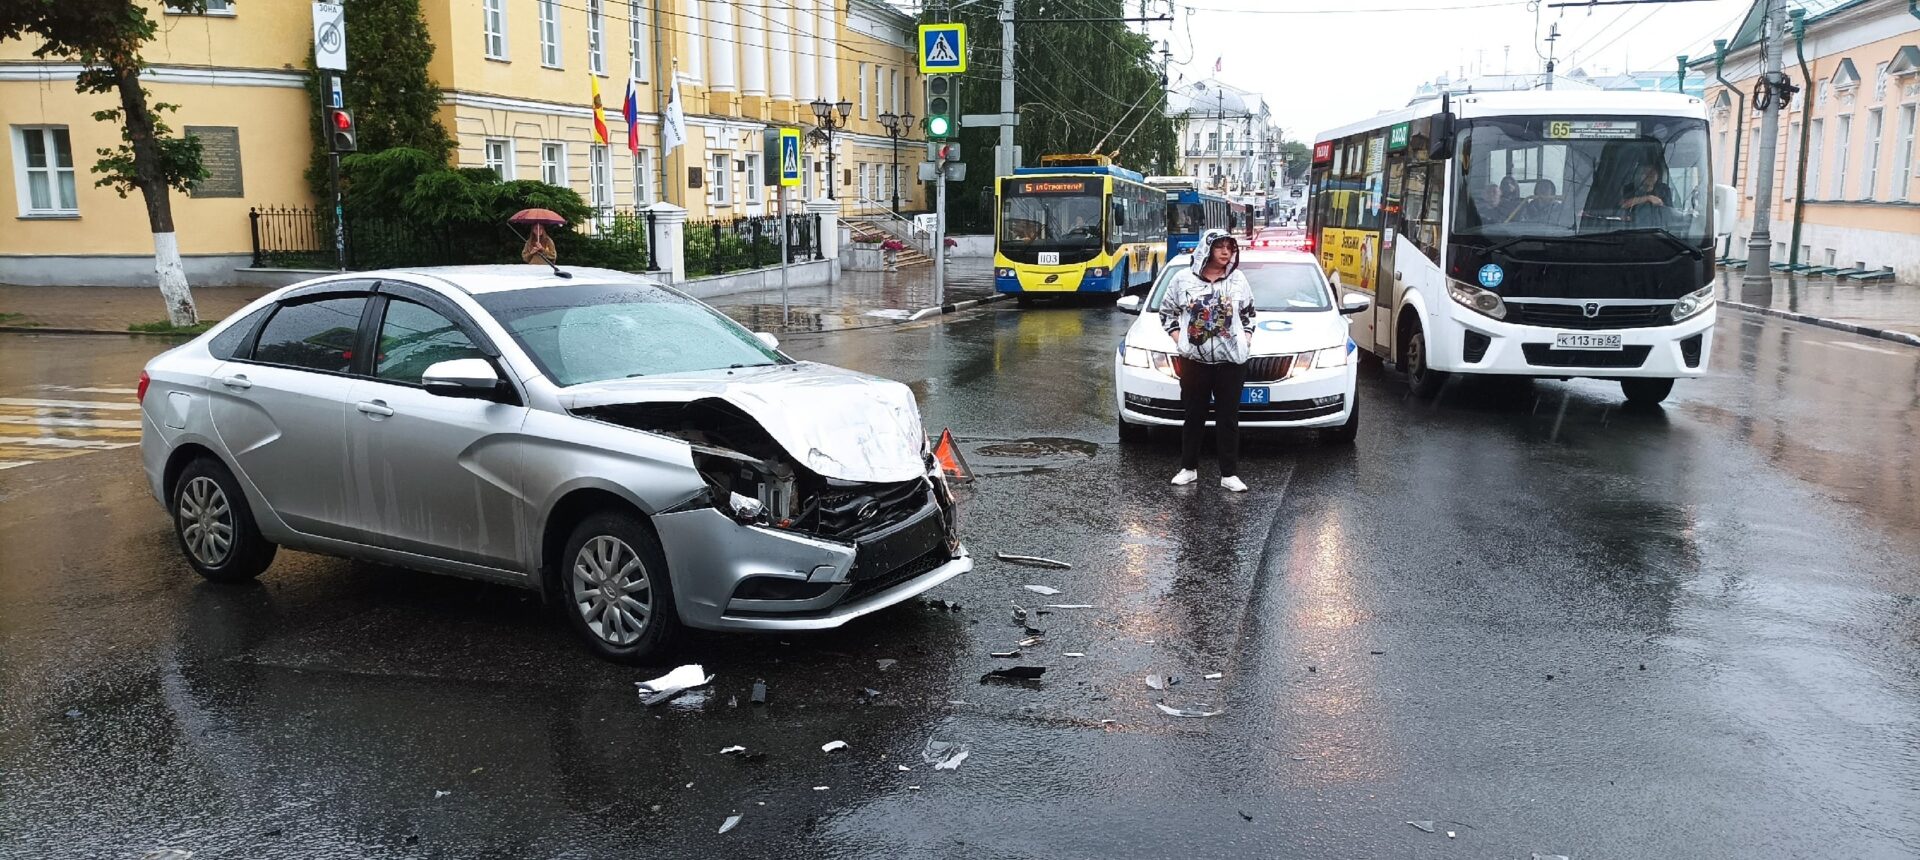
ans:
x=1078 y=87
x=394 y=100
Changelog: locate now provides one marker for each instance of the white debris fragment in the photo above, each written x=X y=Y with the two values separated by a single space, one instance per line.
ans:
x=437 y=793
x=673 y=683
x=943 y=755
x=1423 y=825
x=821 y=787
x=904 y=768
x=1213 y=676
x=1043 y=590
x=1068 y=606
x=1185 y=712
x=732 y=749
x=830 y=746
x=729 y=824
x=913 y=788
x=1032 y=560
x=1156 y=682
x=1073 y=654
x=953 y=762
x=1449 y=834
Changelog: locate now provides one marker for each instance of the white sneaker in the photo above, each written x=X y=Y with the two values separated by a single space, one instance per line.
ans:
x=1185 y=477
x=1233 y=484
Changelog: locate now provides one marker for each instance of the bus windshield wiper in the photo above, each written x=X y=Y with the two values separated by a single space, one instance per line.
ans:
x=1663 y=233
x=1568 y=240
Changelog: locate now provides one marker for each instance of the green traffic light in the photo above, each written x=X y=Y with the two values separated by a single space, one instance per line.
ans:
x=938 y=125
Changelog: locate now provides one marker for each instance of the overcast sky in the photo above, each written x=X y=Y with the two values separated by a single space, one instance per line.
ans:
x=1319 y=69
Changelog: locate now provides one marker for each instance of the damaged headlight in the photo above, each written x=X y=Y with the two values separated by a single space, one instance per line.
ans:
x=750 y=490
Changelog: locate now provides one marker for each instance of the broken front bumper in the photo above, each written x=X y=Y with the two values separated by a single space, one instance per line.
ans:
x=726 y=574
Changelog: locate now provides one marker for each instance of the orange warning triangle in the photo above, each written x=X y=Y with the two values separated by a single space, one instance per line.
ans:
x=952 y=464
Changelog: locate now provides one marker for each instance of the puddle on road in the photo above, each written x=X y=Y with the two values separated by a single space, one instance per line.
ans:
x=1028 y=456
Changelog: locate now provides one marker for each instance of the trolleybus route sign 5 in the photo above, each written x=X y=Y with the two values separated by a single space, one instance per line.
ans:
x=1052 y=187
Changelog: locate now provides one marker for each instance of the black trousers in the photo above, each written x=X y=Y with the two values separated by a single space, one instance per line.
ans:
x=1211 y=388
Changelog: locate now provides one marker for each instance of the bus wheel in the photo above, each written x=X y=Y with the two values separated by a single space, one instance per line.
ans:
x=1023 y=300
x=1422 y=379
x=1646 y=392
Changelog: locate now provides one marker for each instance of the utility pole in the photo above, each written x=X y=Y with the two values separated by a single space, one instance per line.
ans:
x=1759 y=272
x=1553 y=35
x=1003 y=160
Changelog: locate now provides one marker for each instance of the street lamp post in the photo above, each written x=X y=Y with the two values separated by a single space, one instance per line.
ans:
x=897 y=126
x=823 y=111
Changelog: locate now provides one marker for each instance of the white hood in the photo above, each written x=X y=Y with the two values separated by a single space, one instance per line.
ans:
x=1274 y=332
x=839 y=423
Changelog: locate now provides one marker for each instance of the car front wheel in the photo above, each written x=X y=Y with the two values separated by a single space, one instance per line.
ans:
x=1345 y=433
x=215 y=526
x=615 y=590
x=1131 y=432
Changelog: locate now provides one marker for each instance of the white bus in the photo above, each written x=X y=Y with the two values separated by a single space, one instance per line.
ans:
x=1542 y=233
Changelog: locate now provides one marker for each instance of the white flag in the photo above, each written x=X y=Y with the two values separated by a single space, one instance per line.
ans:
x=674 y=130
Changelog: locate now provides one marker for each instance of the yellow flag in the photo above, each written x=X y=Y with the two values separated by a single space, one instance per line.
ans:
x=599 y=113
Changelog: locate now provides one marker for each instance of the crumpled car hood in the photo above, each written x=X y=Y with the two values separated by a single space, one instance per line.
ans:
x=839 y=423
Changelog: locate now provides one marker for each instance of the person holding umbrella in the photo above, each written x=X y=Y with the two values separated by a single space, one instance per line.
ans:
x=1209 y=313
x=539 y=247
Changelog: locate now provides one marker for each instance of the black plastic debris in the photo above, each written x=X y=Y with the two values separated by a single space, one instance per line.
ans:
x=1426 y=826
x=1376 y=653
x=1031 y=630
x=1243 y=814
x=759 y=696
x=1015 y=673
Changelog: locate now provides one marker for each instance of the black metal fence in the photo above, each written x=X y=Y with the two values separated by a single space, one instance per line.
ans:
x=304 y=238
x=734 y=244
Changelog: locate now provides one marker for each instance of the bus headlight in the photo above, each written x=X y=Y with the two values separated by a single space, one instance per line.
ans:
x=1098 y=271
x=1693 y=303
x=1003 y=273
x=1481 y=301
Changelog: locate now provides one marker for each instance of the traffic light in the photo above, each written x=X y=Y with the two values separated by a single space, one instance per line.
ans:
x=938 y=151
x=341 y=130
x=943 y=107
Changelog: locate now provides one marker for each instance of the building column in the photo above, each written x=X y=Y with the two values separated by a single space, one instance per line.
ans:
x=805 y=52
x=829 y=237
x=720 y=69
x=670 y=232
x=779 y=20
x=753 y=52
x=830 y=52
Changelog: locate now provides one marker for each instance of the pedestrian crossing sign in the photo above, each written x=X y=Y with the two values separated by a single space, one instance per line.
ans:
x=943 y=49
x=789 y=157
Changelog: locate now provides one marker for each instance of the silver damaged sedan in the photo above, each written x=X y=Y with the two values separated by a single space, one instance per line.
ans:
x=642 y=460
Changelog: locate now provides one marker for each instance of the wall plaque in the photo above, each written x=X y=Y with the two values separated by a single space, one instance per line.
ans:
x=220 y=154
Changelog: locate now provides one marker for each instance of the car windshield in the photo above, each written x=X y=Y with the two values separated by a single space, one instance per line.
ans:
x=1277 y=287
x=1551 y=177
x=594 y=332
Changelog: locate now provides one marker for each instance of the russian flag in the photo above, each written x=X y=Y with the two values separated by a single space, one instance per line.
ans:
x=632 y=111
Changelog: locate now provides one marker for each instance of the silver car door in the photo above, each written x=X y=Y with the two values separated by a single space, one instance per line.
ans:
x=437 y=475
x=281 y=411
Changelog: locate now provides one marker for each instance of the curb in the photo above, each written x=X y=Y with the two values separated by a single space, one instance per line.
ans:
x=951 y=307
x=18 y=329
x=1899 y=337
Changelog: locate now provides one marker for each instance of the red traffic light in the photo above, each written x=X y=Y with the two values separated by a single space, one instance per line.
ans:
x=342 y=120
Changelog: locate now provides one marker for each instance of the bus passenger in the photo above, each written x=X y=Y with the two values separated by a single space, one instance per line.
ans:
x=1543 y=206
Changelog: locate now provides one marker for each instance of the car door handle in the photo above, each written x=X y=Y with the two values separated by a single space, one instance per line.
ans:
x=376 y=408
x=238 y=380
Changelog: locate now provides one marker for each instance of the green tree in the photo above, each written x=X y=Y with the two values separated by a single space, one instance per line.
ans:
x=1079 y=86
x=105 y=38
x=394 y=100
x=1297 y=157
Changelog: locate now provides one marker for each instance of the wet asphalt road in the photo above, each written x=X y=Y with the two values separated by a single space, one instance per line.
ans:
x=1538 y=621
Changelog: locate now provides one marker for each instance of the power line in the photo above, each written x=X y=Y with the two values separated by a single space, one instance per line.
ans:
x=1398 y=10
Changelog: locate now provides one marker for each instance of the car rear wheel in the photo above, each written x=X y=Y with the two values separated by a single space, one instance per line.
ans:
x=215 y=526
x=1646 y=392
x=1423 y=379
x=615 y=590
x=1345 y=433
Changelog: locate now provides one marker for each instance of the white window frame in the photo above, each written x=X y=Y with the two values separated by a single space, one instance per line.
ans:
x=1793 y=153
x=754 y=191
x=1816 y=150
x=493 y=28
x=720 y=178
x=215 y=9
x=1876 y=126
x=549 y=33
x=866 y=189
x=502 y=166
x=1842 y=141
x=643 y=177
x=53 y=171
x=553 y=163
x=893 y=90
x=878 y=97
x=1903 y=177
x=599 y=176
x=597 y=37
x=860 y=86
x=693 y=68
x=637 y=39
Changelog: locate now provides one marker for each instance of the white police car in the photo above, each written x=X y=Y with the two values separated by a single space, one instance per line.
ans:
x=1303 y=365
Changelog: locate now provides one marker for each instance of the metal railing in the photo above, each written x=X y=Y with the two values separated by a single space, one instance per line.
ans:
x=292 y=237
x=735 y=244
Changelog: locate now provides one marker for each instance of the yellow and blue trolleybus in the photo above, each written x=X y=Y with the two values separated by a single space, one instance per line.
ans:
x=1077 y=224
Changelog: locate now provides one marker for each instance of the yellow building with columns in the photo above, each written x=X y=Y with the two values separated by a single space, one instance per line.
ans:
x=516 y=98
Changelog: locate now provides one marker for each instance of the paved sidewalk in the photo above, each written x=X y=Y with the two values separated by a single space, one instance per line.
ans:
x=1874 y=309
x=856 y=300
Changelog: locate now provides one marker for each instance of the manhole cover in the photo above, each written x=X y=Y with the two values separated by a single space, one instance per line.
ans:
x=1023 y=456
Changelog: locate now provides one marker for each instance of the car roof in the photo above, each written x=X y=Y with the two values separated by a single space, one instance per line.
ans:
x=479 y=280
x=1258 y=255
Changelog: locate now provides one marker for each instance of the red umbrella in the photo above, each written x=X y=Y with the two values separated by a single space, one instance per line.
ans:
x=537 y=216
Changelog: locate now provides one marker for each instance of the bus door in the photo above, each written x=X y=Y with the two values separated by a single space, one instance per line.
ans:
x=1387 y=280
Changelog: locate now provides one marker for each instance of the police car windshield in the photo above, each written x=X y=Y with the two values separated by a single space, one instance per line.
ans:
x=1277 y=287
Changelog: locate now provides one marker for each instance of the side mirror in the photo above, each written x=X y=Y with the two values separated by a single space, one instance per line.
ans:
x=1119 y=216
x=1128 y=304
x=1440 y=139
x=768 y=339
x=1726 y=209
x=462 y=377
x=1353 y=303
x=1334 y=279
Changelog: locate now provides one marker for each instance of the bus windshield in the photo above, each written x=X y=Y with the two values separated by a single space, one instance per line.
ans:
x=1186 y=217
x=1053 y=221
x=1551 y=176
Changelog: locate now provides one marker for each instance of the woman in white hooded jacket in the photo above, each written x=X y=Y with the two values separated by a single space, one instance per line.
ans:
x=1209 y=313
